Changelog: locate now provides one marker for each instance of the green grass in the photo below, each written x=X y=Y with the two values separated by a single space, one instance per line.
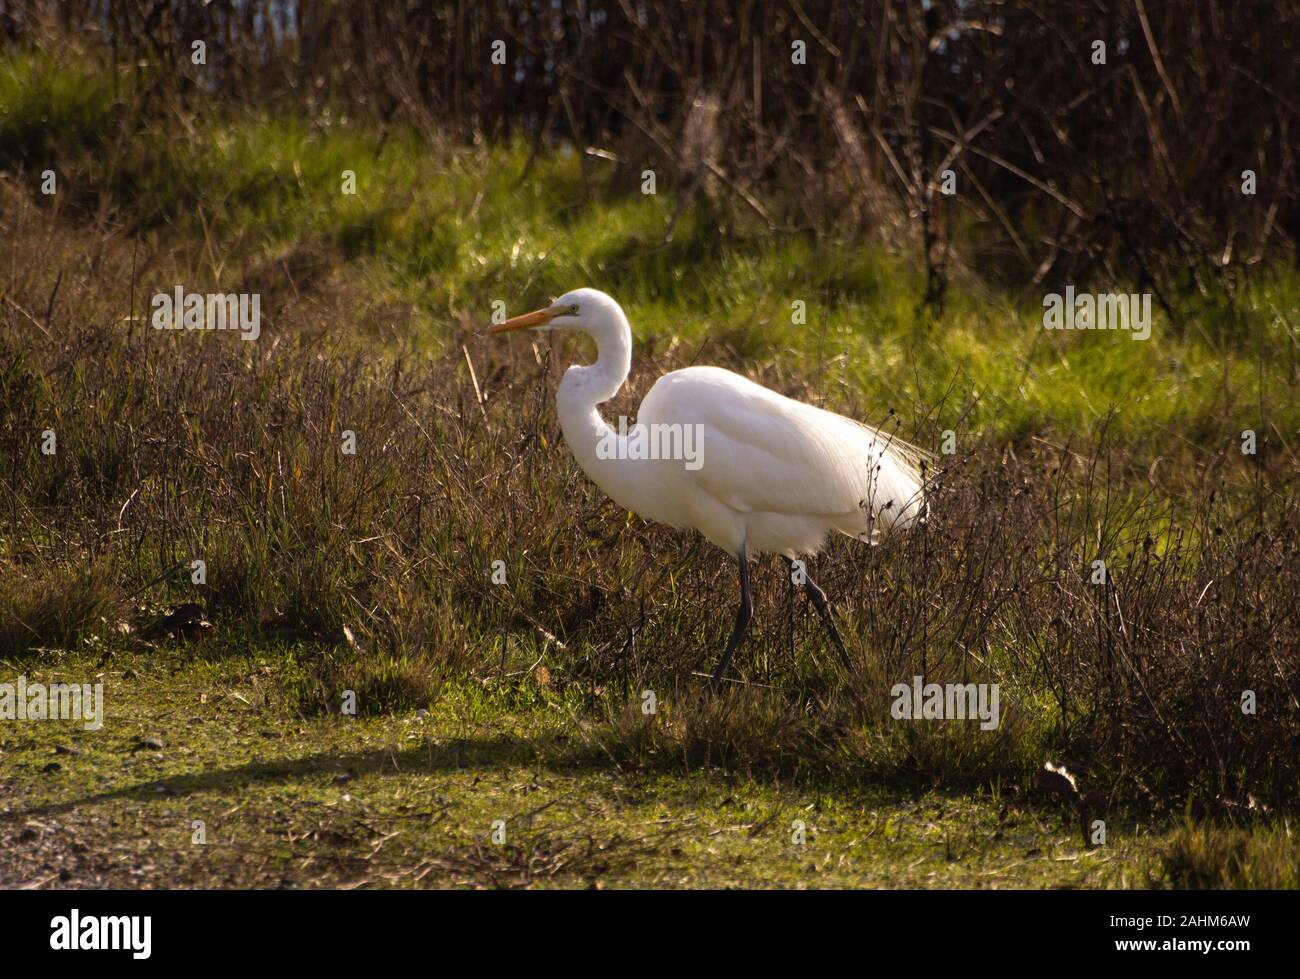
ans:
x=452 y=229
x=1206 y=856
x=403 y=800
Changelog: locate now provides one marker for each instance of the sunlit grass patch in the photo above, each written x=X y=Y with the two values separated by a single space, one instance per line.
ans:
x=1211 y=857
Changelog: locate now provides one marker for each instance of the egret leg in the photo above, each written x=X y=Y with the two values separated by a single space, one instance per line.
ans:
x=818 y=598
x=743 y=615
x=789 y=605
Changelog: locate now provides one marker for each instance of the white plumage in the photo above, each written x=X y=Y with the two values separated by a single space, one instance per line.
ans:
x=773 y=475
x=788 y=472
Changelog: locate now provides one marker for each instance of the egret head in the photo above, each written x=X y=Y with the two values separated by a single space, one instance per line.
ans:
x=589 y=310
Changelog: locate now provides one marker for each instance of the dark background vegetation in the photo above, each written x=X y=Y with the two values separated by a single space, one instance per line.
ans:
x=1131 y=170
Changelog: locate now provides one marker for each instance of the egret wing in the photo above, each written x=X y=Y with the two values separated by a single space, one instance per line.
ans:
x=765 y=452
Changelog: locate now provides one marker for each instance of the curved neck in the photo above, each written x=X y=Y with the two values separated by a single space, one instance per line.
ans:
x=600 y=381
x=589 y=436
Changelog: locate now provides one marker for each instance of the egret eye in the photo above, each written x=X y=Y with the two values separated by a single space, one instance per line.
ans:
x=573 y=310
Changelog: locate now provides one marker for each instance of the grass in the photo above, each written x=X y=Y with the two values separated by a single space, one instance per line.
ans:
x=1201 y=856
x=404 y=801
x=450 y=230
x=331 y=576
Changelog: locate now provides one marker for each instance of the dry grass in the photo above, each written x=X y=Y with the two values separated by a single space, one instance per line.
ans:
x=378 y=565
x=55 y=607
x=1205 y=856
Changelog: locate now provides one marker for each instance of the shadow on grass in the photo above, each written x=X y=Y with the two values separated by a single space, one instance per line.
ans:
x=461 y=754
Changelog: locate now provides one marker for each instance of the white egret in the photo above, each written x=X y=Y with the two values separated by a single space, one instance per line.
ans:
x=767 y=474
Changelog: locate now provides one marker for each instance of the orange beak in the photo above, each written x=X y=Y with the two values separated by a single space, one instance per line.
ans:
x=537 y=317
